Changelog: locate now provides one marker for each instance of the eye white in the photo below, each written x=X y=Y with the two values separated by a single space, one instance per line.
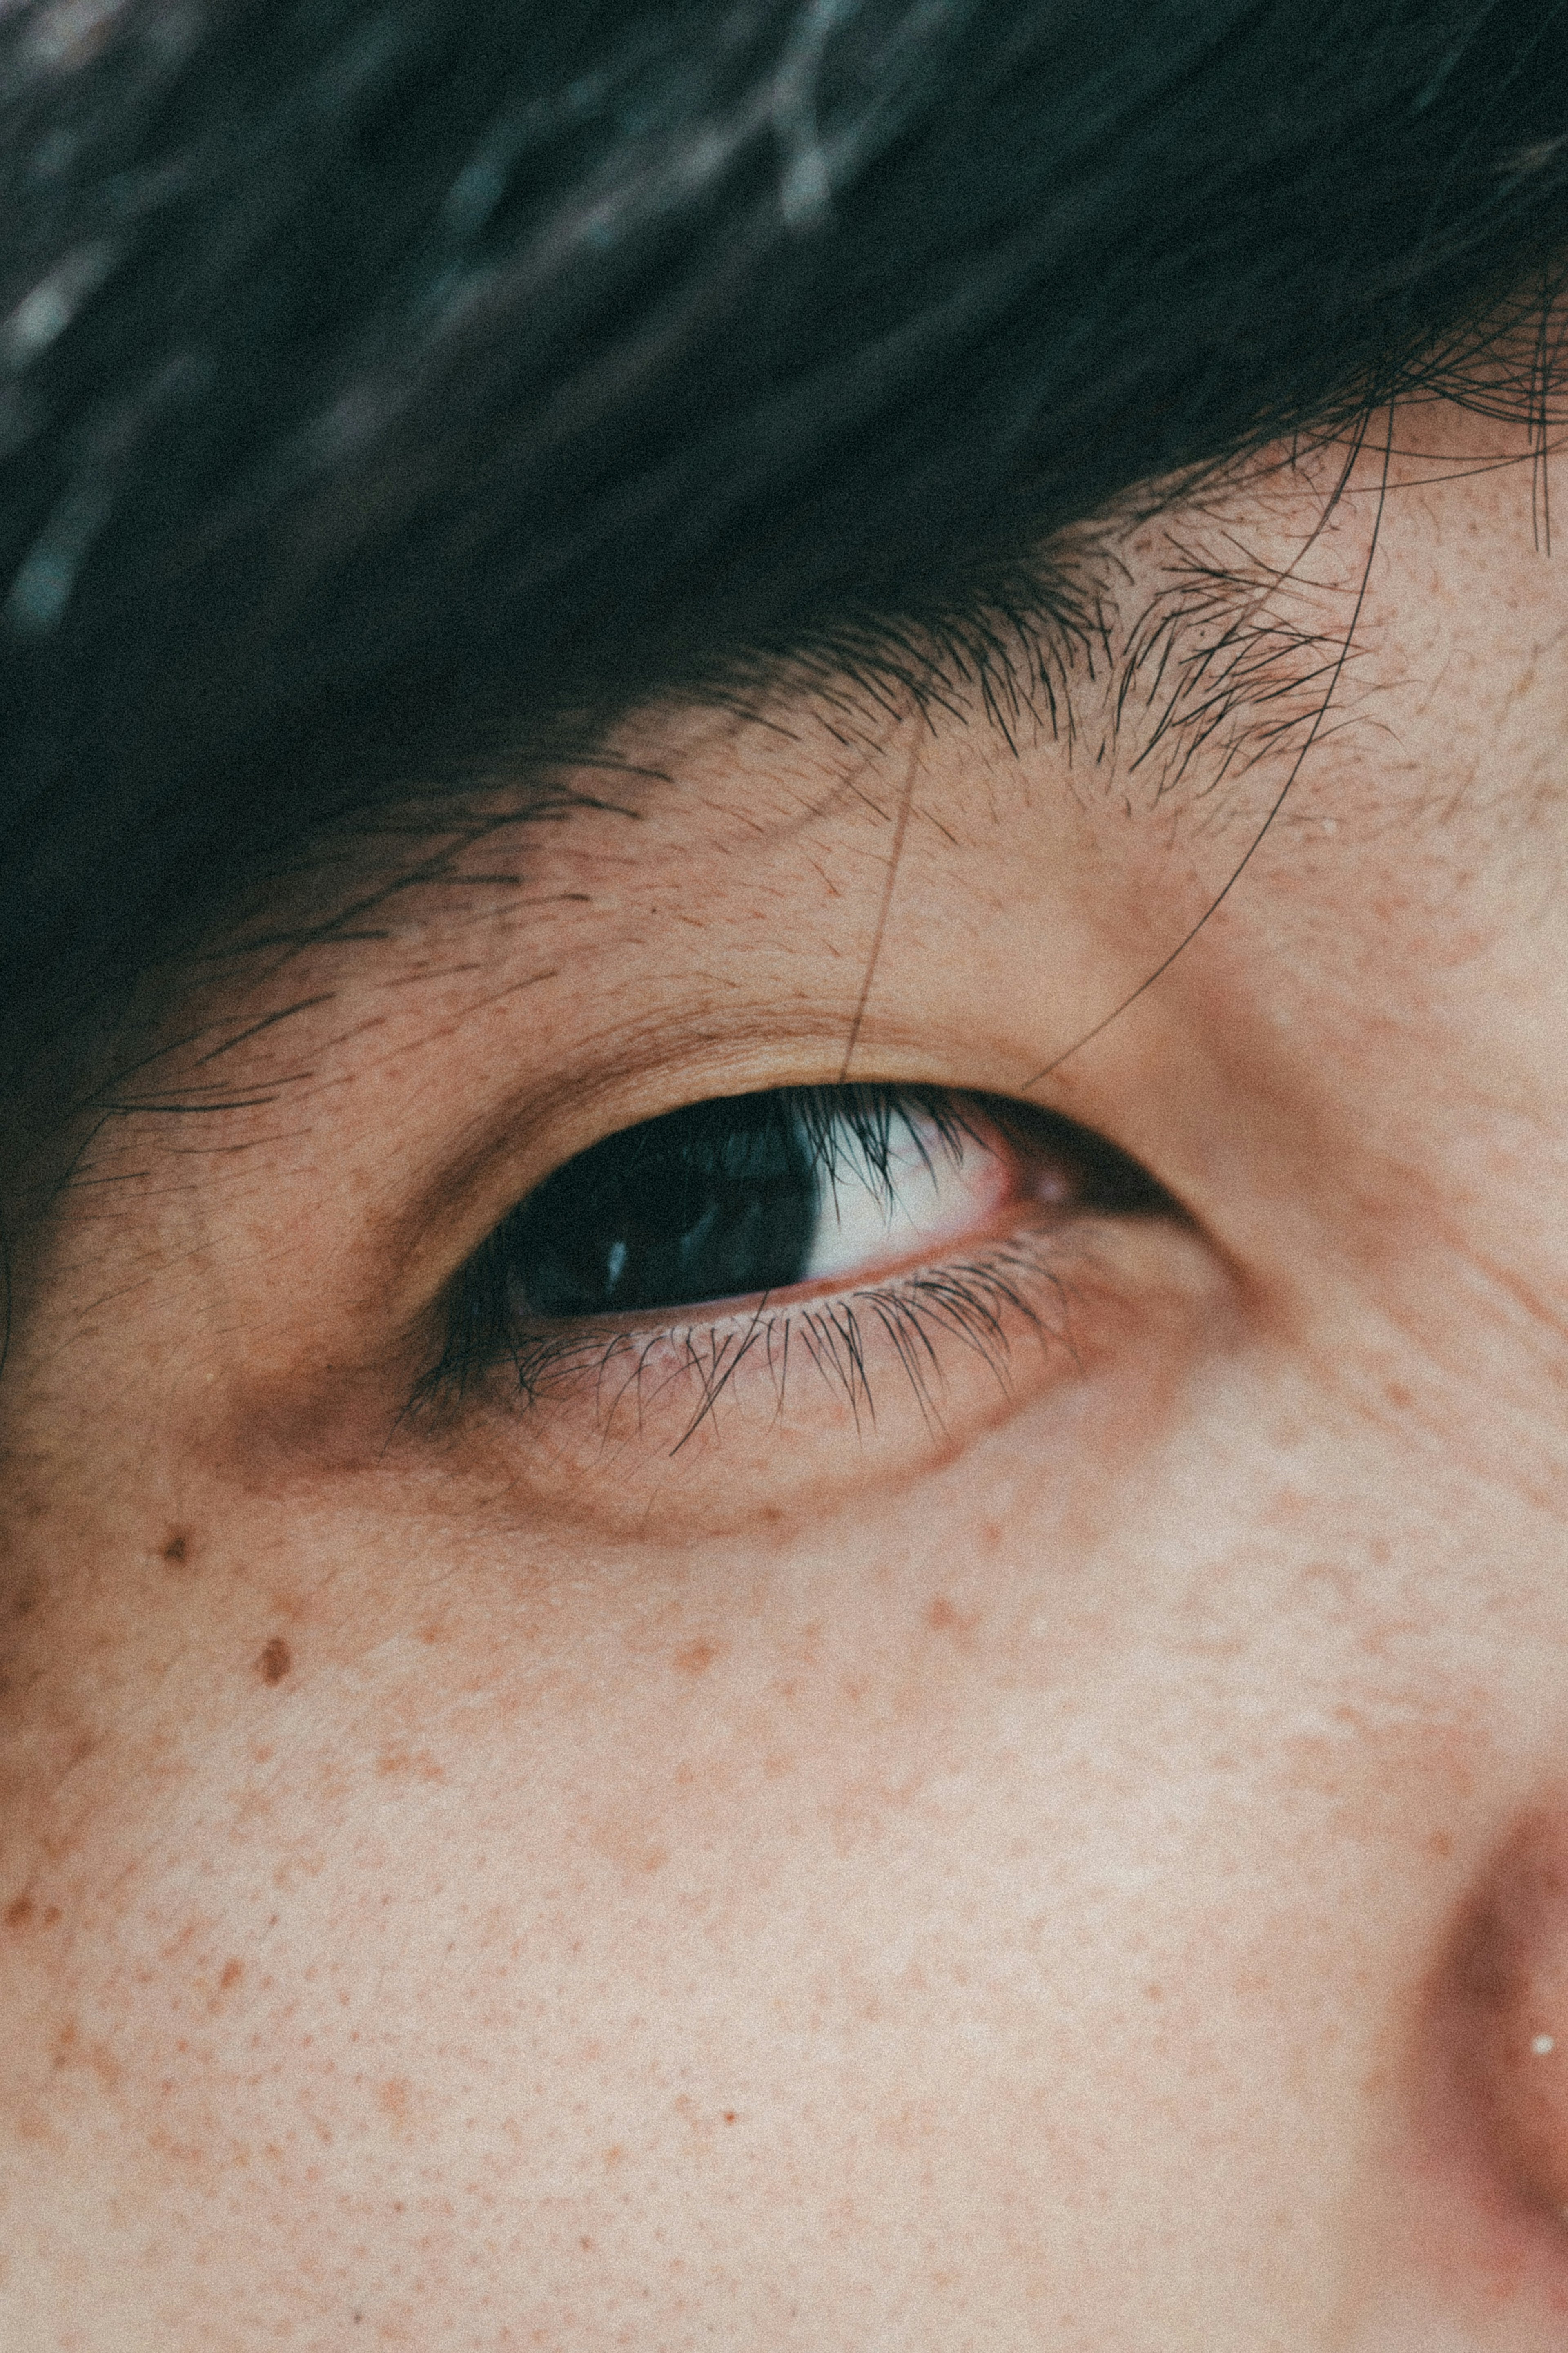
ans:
x=934 y=1193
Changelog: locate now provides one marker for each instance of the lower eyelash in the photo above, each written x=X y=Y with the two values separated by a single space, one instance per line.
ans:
x=976 y=1303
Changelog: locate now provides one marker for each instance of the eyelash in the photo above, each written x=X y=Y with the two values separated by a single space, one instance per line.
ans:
x=968 y=1301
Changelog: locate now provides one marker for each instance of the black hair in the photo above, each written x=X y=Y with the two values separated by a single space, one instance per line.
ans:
x=382 y=379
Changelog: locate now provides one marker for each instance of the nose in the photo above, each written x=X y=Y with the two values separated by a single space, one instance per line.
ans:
x=1502 y=1997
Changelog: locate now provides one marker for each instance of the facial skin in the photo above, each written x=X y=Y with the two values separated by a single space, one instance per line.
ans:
x=1074 y=1866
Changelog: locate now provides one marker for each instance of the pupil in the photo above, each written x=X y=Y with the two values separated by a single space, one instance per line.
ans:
x=713 y=1202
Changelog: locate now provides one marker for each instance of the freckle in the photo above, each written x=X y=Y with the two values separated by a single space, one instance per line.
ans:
x=1154 y=1993
x=232 y=1973
x=944 y=1618
x=275 y=1661
x=585 y=2244
x=1398 y=1395
x=1440 y=1844
x=51 y=1914
x=19 y=1912
x=696 y=1658
x=395 y=1762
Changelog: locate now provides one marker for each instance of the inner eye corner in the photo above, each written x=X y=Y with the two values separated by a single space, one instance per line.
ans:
x=1112 y=1182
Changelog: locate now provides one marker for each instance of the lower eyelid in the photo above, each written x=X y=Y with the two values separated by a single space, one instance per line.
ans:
x=968 y=1301
x=766 y=1411
x=702 y=1426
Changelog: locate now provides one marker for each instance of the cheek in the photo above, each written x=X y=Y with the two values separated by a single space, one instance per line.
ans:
x=801 y=1914
x=398 y=1911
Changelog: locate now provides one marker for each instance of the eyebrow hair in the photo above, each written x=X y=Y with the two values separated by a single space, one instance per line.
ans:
x=1220 y=664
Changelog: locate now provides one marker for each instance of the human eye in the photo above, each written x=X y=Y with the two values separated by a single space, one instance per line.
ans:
x=775 y=1275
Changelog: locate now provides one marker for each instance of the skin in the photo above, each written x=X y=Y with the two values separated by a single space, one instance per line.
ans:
x=1077 y=1868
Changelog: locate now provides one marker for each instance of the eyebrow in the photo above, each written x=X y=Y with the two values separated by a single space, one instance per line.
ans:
x=1212 y=671
x=1220 y=664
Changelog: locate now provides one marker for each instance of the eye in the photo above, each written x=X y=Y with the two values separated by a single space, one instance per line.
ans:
x=791 y=1292
x=757 y=1194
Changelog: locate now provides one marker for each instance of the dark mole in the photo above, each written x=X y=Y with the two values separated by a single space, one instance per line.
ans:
x=177 y=1551
x=275 y=1661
